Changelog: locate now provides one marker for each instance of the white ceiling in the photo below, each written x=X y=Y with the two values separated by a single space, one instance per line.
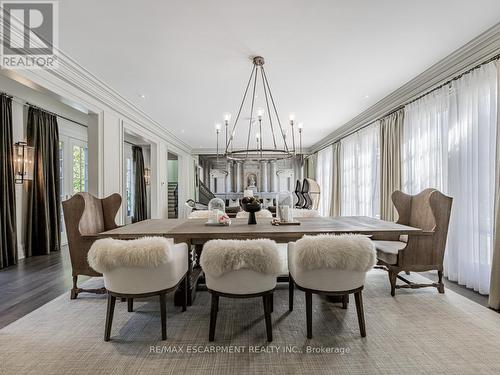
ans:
x=326 y=61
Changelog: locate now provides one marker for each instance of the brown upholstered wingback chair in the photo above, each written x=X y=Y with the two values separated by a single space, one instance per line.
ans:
x=430 y=211
x=85 y=216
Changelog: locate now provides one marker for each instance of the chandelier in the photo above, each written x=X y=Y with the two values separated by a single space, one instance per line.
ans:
x=264 y=124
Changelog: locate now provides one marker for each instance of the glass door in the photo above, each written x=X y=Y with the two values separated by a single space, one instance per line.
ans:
x=73 y=158
x=128 y=182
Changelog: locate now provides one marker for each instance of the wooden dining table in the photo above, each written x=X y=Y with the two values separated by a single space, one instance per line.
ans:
x=195 y=232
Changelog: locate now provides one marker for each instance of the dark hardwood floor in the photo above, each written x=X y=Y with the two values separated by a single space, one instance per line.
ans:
x=37 y=280
x=32 y=283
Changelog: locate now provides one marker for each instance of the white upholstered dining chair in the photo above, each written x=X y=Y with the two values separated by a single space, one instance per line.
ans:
x=304 y=213
x=199 y=214
x=241 y=269
x=149 y=266
x=264 y=213
x=331 y=265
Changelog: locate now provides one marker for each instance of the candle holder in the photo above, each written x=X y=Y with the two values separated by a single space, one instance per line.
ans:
x=251 y=205
x=284 y=210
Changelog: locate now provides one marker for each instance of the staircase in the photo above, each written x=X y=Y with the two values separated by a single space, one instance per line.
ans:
x=173 y=200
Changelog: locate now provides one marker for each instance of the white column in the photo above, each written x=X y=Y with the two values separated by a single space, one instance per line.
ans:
x=263 y=177
x=229 y=177
x=273 y=180
x=239 y=178
x=212 y=186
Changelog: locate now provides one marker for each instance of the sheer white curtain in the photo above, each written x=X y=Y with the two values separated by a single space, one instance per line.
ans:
x=450 y=144
x=424 y=149
x=324 y=173
x=360 y=172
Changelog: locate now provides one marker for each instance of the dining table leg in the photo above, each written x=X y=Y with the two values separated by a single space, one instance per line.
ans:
x=192 y=276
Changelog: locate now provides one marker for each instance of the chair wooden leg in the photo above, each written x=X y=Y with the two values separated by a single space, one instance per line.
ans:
x=109 y=317
x=184 y=303
x=130 y=304
x=309 y=314
x=392 y=280
x=213 y=316
x=163 y=315
x=271 y=303
x=266 y=300
x=290 y=292
x=440 y=282
x=345 y=301
x=74 y=291
x=361 y=316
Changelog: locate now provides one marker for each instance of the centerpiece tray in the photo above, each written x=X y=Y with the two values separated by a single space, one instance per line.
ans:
x=277 y=223
x=216 y=225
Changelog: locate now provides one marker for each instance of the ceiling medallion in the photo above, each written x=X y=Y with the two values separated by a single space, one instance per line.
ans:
x=264 y=124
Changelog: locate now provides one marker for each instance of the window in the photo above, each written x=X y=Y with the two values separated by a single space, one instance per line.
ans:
x=62 y=192
x=449 y=143
x=360 y=173
x=129 y=186
x=80 y=169
x=73 y=163
x=324 y=175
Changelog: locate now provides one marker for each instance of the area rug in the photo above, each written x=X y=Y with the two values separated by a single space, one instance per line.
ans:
x=415 y=332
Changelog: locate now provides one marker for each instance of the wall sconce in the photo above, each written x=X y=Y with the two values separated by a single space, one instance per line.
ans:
x=147 y=176
x=23 y=162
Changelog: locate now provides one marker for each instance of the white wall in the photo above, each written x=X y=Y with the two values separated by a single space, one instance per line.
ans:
x=23 y=94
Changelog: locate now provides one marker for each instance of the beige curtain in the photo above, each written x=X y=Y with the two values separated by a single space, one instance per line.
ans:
x=335 y=199
x=391 y=131
x=494 y=299
x=311 y=166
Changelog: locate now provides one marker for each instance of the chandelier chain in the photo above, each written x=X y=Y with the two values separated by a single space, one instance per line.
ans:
x=268 y=109
x=251 y=111
x=241 y=106
x=275 y=110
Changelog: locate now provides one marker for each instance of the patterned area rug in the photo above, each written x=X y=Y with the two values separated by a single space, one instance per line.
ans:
x=417 y=332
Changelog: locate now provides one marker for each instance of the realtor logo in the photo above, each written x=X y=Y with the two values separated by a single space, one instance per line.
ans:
x=29 y=34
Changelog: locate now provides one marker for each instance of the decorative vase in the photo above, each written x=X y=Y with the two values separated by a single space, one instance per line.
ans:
x=252 y=208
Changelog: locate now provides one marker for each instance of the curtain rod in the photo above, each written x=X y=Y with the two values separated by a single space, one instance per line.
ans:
x=27 y=104
x=448 y=82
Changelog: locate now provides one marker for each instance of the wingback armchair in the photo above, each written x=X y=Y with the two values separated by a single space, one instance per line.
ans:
x=85 y=216
x=430 y=211
x=311 y=193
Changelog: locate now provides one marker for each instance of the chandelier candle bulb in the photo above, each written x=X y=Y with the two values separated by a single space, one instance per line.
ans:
x=217 y=130
x=260 y=113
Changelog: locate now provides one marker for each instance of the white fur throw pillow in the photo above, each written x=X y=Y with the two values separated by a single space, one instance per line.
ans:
x=350 y=252
x=146 y=252
x=221 y=256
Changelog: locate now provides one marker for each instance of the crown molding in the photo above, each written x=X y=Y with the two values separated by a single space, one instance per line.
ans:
x=80 y=79
x=481 y=48
x=213 y=151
